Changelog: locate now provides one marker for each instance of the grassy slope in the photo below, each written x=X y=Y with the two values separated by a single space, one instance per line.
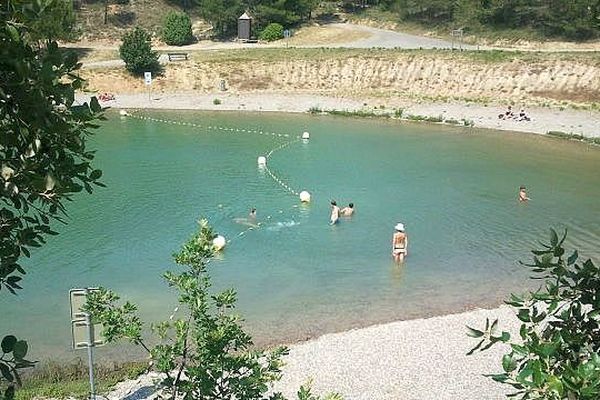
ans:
x=62 y=380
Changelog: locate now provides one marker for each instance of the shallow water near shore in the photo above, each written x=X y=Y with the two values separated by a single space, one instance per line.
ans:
x=454 y=189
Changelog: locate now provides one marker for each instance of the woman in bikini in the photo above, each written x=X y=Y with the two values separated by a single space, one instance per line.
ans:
x=399 y=243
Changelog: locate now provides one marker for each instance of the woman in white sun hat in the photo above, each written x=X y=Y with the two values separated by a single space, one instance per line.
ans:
x=399 y=243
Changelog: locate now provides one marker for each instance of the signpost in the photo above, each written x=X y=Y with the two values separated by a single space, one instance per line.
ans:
x=457 y=33
x=148 y=82
x=84 y=331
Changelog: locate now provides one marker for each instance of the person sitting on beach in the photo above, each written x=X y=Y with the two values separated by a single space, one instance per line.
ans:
x=335 y=213
x=348 y=211
x=106 y=96
x=399 y=243
x=523 y=116
x=507 y=114
x=523 y=194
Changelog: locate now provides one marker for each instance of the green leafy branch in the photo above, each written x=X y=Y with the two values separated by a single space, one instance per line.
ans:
x=557 y=355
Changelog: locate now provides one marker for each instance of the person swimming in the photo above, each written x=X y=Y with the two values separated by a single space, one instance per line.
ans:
x=348 y=211
x=335 y=213
x=399 y=243
x=523 y=194
x=249 y=221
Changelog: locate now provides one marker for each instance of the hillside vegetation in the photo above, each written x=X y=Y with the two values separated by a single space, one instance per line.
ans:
x=572 y=20
x=575 y=20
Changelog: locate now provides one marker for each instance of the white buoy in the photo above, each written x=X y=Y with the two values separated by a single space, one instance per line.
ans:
x=304 y=196
x=219 y=242
x=306 y=136
x=123 y=113
x=262 y=161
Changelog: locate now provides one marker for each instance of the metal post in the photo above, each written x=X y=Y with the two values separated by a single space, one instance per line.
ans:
x=90 y=350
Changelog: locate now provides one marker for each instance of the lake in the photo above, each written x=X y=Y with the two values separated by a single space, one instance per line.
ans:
x=454 y=188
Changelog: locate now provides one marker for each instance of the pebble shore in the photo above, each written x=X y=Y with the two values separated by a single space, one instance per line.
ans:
x=417 y=359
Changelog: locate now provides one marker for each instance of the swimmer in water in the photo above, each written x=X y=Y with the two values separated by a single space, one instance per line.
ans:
x=335 y=213
x=523 y=194
x=399 y=243
x=348 y=211
x=250 y=221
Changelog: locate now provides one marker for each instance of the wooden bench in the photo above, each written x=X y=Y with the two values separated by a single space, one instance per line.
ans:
x=177 y=56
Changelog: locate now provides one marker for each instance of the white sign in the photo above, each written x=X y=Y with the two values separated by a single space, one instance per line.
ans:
x=148 y=78
x=84 y=333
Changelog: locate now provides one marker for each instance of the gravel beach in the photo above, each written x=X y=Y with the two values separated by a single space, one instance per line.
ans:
x=586 y=123
x=405 y=360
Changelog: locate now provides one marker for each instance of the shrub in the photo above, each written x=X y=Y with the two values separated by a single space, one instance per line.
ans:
x=202 y=351
x=136 y=51
x=557 y=355
x=216 y=102
x=272 y=32
x=177 y=29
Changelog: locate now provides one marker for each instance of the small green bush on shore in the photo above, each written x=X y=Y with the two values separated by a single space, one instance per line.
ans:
x=136 y=51
x=177 y=29
x=573 y=136
x=272 y=32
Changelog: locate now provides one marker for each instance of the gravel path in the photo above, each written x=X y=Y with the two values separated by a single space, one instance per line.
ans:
x=419 y=359
x=391 y=39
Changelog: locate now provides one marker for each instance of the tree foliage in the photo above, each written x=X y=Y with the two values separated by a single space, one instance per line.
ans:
x=54 y=21
x=222 y=14
x=558 y=353
x=44 y=160
x=573 y=19
x=205 y=353
x=177 y=29
x=136 y=52
x=272 y=32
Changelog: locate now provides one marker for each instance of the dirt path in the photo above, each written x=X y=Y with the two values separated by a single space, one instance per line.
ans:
x=331 y=35
x=391 y=39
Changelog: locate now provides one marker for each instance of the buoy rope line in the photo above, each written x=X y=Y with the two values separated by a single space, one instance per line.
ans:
x=269 y=171
x=242 y=233
x=209 y=127
x=135 y=114
x=273 y=175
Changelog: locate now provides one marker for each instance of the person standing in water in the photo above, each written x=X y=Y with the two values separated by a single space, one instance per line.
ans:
x=399 y=243
x=335 y=213
x=523 y=194
x=348 y=211
x=252 y=214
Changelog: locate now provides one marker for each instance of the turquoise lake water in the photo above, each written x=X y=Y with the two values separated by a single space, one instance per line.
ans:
x=454 y=189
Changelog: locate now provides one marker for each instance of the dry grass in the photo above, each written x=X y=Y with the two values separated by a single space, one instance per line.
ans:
x=87 y=55
x=429 y=74
x=324 y=35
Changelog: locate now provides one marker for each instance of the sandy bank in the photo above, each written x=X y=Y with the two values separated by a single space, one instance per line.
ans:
x=415 y=359
x=586 y=123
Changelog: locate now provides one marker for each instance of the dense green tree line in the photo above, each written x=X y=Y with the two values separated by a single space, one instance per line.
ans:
x=223 y=14
x=572 y=19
